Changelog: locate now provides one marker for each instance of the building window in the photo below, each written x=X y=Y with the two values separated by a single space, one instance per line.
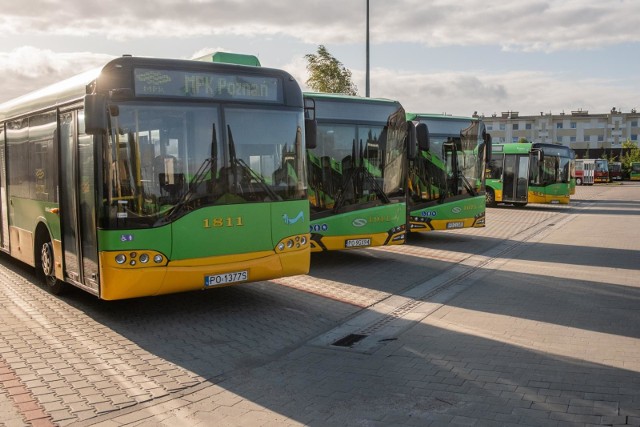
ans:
x=634 y=123
x=502 y=126
x=600 y=138
x=572 y=139
x=527 y=126
x=514 y=139
x=489 y=127
x=573 y=125
x=515 y=126
x=634 y=136
x=558 y=138
x=558 y=125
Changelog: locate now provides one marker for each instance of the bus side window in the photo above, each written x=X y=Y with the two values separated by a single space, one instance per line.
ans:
x=495 y=167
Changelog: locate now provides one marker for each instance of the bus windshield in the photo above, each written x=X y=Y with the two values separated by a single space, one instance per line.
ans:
x=454 y=164
x=165 y=160
x=555 y=167
x=357 y=163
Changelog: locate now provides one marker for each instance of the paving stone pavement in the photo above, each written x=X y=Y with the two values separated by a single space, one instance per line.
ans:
x=537 y=326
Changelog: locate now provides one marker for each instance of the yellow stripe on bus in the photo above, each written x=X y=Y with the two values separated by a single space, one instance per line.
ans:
x=125 y=281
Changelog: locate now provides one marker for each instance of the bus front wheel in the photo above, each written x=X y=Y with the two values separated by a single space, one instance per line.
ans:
x=578 y=181
x=46 y=269
x=490 y=197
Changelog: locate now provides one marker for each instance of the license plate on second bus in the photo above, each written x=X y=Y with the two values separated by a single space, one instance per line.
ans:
x=223 y=279
x=357 y=243
x=455 y=224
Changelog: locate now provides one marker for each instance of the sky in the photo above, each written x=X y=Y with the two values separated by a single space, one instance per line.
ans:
x=434 y=56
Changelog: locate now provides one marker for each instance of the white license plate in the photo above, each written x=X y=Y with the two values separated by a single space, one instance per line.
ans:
x=457 y=224
x=357 y=243
x=223 y=279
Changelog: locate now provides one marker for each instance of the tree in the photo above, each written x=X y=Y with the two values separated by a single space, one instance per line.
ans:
x=632 y=155
x=523 y=141
x=327 y=74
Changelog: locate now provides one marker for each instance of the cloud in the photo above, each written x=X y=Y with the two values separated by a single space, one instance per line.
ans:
x=528 y=92
x=28 y=68
x=526 y=25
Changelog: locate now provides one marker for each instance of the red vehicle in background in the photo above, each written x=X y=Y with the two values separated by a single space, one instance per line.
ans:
x=601 y=173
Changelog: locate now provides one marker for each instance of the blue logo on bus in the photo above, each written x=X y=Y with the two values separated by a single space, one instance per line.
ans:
x=429 y=213
x=126 y=237
x=290 y=221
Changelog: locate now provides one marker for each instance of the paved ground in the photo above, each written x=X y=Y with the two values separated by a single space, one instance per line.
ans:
x=534 y=320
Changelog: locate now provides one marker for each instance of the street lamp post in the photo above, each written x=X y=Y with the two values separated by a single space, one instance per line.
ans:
x=367 y=84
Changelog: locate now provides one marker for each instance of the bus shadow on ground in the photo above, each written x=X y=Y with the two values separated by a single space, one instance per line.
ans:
x=507 y=349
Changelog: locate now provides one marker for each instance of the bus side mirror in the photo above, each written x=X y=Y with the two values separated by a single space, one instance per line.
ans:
x=488 y=146
x=95 y=113
x=540 y=156
x=411 y=140
x=310 y=130
x=422 y=135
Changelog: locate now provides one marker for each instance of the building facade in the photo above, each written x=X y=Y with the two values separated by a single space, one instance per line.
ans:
x=589 y=135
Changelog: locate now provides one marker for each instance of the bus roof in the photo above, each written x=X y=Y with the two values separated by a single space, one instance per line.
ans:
x=418 y=116
x=348 y=98
x=56 y=94
x=441 y=124
x=231 y=58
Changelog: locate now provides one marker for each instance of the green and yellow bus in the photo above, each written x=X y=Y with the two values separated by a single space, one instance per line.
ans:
x=521 y=173
x=154 y=176
x=356 y=172
x=634 y=172
x=447 y=157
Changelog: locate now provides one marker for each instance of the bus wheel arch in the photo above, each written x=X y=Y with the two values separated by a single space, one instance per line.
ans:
x=45 y=262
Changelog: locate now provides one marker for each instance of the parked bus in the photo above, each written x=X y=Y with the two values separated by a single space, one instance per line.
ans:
x=615 y=171
x=585 y=170
x=521 y=173
x=634 y=173
x=601 y=173
x=590 y=171
x=445 y=187
x=356 y=172
x=154 y=176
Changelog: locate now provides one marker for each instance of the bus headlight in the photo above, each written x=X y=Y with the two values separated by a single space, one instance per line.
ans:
x=121 y=258
x=281 y=246
x=144 y=258
x=158 y=259
x=303 y=240
x=289 y=243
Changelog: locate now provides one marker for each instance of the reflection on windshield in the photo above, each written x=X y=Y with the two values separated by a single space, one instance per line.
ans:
x=163 y=161
x=356 y=164
x=453 y=166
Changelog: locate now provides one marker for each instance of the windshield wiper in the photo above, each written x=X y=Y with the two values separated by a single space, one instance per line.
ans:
x=350 y=178
x=187 y=195
x=236 y=161
x=467 y=184
x=207 y=166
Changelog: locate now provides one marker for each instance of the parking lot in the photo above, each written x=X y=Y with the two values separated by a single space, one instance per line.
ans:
x=532 y=320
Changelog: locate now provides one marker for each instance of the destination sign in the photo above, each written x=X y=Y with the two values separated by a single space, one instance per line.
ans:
x=186 y=84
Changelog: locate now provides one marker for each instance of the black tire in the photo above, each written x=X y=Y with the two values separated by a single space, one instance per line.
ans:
x=45 y=267
x=578 y=181
x=490 y=197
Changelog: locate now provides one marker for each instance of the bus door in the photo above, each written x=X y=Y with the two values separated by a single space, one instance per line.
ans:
x=515 y=185
x=77 y=203
x=589 y=172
